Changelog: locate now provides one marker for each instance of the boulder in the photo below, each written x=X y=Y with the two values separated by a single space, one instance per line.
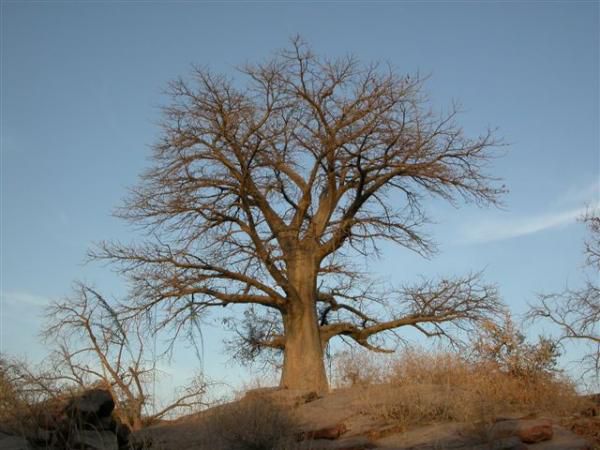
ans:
x=535 y=431
x=330 y=433
x=85 y=421
x=528 y=431
x=92 y=403
x=95 y=439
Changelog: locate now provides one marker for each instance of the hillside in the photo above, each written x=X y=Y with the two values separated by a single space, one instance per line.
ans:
x=364 y=417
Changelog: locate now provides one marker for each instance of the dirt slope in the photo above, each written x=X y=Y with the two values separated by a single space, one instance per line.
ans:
x=353 y=419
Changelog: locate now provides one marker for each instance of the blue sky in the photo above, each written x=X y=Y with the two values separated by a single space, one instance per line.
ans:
x=82 y=85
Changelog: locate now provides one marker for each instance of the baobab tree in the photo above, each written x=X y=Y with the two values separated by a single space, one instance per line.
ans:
x=260 y=195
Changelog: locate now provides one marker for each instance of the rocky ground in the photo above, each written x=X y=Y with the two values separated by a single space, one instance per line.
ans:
x=356 y=419
x=85 y=421
x=269 y=419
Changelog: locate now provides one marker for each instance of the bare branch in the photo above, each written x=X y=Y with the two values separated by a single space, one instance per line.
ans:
x=259 y=193
x=427 y=307
x=576 y=312
x=97 y=345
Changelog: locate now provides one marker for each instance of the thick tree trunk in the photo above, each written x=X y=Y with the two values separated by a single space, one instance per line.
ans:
x=303 y=365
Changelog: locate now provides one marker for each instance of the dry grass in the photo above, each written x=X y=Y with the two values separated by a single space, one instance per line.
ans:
x=408 y=391
x=427 y=387
x=249 y=424
x=19 y=415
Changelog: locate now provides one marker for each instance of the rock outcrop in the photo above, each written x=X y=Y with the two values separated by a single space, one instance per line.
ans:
x=350 y=419
x=84 y=422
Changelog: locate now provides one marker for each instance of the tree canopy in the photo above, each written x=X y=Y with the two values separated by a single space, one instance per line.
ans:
x=261 y=194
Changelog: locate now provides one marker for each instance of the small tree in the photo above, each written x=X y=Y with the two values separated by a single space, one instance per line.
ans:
x=505 y=345
x=262 y=195
x=97 y=347
x=576 y=312
x=12 y=398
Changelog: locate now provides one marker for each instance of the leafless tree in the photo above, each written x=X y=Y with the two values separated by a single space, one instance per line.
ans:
x=12 y=397
x=262 y=195
x=96 y=347
x=504 y=344
x=577 y=311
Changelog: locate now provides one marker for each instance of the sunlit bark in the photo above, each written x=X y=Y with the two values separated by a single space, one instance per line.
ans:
x=262 y=194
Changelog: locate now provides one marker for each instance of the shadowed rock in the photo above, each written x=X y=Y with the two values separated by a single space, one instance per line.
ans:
x=529 y=431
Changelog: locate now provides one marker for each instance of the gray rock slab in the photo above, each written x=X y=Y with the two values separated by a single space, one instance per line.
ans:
x=8 y=442
x=100 y=440
x=563 y=439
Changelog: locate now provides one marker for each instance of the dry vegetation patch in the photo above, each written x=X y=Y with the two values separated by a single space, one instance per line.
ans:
x=418 y=397
x=426 y=387
x=253 y=423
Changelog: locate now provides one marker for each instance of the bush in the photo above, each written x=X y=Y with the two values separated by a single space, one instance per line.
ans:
x=10 y=400
x=419 y=387
x=357 y=368
x=17 y=398
x=505 y=345
x=255 y=423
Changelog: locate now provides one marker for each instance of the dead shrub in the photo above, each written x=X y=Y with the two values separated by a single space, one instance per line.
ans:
x=423 y=367
x=420 y=404
x=505 y=344
x=12 y=405
x=356 y=368
x=419 y=387
x=8 y=392
x=20 y=400
x=250 y=424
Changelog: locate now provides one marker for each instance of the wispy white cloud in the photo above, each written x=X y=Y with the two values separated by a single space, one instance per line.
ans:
x=17 y=298
x=589 y=193
x=496 y=230
x=565 y=213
